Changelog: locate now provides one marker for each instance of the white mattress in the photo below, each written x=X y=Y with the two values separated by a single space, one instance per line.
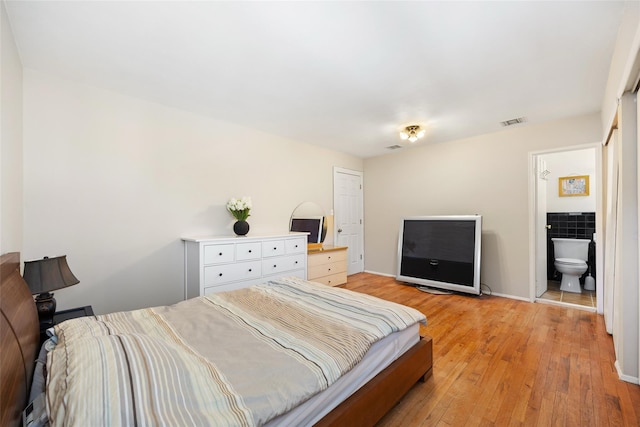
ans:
x=379 y=356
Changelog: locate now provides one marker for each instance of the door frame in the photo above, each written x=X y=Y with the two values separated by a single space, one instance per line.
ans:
x=541 y=225
x=533 y=206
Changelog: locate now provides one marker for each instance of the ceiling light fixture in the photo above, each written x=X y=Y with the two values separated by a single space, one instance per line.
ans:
x=412 y=133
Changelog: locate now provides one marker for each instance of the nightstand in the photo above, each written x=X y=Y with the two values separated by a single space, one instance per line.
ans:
x=63 y=315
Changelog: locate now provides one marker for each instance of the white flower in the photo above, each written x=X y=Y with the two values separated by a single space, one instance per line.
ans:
x=245 y=202
x=239 y=208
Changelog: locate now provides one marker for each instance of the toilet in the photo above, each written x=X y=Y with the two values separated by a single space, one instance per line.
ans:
x=571 y=257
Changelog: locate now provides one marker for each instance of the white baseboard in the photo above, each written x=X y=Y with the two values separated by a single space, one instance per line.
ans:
x=626 y=378
x=496 y=294
x=379 y=274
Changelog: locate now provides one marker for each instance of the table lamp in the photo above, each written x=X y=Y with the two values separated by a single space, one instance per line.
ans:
x=46 y=275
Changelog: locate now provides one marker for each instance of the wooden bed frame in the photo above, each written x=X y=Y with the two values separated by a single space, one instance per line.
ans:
x=19 y=339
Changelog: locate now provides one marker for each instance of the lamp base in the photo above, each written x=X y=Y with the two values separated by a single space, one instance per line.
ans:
x=46 y=305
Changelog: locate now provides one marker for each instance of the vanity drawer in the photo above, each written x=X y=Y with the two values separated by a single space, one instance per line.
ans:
x=332 y=280
x=273 y=248
x=316 y=271
x=282 y=265
x=221 y=274
x=247 y=251
x=295 y=246
x=328 y=266
x=321 y=258
x=217 y=254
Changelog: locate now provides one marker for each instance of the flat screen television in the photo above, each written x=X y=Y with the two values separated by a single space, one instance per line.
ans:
x=309 y=224
x=441 y=252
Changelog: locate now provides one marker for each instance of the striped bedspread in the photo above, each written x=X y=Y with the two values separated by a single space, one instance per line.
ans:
x=236 y=358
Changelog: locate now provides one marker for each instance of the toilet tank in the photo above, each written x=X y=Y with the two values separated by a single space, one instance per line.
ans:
x=571 y=248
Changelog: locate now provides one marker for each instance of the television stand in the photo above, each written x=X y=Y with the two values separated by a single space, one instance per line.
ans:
x=433 y=290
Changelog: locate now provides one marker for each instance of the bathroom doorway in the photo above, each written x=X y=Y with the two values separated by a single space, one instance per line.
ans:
x=557 y=213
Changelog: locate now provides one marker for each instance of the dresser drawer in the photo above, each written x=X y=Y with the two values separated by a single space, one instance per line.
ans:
x=283 y=264
x=315 y=271
x=247 y=251
x=220 y=274
x=295 y=246
x=321 y=258
x=332 y=280
x=273 y=248
x=217 y=254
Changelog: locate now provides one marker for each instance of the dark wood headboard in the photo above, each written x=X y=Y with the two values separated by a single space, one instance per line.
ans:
x=19 y=339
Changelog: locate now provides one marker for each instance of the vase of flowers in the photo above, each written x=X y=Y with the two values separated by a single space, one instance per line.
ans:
x=240 y=208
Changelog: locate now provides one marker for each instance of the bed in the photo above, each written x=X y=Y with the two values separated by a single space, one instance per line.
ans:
x=360 y=401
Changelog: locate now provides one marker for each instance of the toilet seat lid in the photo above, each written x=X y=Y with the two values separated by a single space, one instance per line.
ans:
x=570 y=261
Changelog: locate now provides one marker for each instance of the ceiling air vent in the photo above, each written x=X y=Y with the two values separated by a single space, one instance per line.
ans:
x=513 y=121
x=394 y=147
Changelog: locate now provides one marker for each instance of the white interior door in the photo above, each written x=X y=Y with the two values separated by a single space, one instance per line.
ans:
x=541 y=226
x=348 y=216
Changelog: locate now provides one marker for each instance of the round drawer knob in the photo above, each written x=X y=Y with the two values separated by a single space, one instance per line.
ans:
x=274 y=266
x=250 y=270
x=220 y=254
x=220 y=274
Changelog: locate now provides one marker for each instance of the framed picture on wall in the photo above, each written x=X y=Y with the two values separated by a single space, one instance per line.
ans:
x=571 y=186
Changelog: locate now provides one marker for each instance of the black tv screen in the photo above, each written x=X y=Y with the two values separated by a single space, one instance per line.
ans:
x=441 y=252
x=311 y=225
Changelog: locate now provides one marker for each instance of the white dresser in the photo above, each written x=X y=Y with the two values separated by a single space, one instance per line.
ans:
x=217 y=264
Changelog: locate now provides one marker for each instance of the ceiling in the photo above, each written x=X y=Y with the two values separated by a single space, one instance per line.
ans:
x=343 y=75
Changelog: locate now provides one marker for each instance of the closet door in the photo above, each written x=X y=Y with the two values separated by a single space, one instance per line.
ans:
x=626 y=293
x=611 y=227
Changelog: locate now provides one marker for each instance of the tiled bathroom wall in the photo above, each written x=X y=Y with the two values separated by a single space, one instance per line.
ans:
x=575 y=225
x=580 y=225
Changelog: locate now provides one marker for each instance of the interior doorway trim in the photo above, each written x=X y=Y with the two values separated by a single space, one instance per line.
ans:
x=533 y=183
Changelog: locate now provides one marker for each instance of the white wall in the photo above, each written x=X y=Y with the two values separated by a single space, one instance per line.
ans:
x=486 y=175
x=113 y=182
x=11 y=136
x=622 y=61
x=570 y=163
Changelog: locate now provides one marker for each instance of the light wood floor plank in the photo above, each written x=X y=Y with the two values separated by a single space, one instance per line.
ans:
x=503 y=362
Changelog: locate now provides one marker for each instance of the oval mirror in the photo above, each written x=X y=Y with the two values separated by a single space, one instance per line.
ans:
x=307 y=216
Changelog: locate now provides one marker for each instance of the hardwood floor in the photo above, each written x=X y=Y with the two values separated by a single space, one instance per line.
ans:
x=504 y=362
